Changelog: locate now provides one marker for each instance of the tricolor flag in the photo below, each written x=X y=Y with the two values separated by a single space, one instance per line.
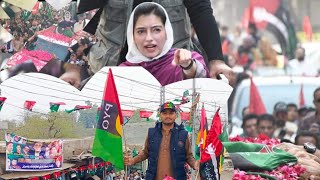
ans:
x=108 y=138
x=2 y=100
x=211 y=156
x=54 y=107
x=202 y=135
x=78 y=107
x=29 y=105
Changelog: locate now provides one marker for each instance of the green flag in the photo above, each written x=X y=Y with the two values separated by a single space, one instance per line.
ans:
x=107 y=142
x=25 y=15
x=186 y=93
x=134 y=152
x=250 y=156
x=54 y=107
x=224 y=135
x=49 y=13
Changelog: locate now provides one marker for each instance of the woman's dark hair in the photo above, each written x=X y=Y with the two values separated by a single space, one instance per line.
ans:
x=147 y=9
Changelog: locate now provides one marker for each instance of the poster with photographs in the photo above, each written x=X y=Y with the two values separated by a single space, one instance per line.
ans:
x=26 y=155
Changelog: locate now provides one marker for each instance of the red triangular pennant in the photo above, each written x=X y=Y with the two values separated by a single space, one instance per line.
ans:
x=256 y=105
x=145 y=114
x=307 y=28
x=29 y=105
x=301 y=97
x=127 y=113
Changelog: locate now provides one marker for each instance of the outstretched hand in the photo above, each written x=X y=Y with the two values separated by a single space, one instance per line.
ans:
x=182 y=57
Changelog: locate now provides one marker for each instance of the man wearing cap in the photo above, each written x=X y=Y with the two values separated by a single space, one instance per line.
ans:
x=167 y=148
x=313 y=117
x=284 y=128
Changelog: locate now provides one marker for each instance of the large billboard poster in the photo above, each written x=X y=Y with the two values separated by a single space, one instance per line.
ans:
x=23 y=154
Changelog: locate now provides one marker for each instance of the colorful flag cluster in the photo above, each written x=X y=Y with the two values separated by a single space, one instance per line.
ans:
x=211 y=157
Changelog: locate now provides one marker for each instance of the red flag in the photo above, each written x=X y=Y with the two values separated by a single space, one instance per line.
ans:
x=185 y=116
x=127 y=113
x=29 y=105
x=307 y=28
x=145 y=114
x=35 y=8
x=301 y=97
x=213 y=138
x=256 y=105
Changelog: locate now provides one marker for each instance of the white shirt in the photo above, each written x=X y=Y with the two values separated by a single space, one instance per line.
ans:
x=304 y=67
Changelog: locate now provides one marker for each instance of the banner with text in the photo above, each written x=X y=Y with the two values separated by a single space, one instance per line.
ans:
x=28 y=155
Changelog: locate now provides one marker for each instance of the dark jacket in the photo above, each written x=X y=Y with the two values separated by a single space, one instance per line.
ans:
x=177 y=150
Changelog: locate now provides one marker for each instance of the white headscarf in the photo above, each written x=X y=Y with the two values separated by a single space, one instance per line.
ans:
x=134 y=55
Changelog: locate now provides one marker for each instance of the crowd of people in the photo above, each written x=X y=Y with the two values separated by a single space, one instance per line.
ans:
x=26 y=26
x=245 y=50
x=289 y=123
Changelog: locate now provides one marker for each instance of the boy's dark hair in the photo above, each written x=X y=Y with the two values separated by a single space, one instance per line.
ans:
x=266 y=117
x=248 y=117
x=308 y=134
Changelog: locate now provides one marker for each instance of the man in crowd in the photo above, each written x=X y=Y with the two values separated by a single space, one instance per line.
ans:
x=312 y=117
x=306 y=136
x=284 y=128
x=249 y=126
x=266 y=125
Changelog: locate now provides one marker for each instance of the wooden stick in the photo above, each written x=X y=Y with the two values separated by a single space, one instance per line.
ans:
x=125 y=147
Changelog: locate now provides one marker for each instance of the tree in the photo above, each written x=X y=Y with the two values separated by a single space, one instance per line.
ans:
x=88 y=116
x=53 y=125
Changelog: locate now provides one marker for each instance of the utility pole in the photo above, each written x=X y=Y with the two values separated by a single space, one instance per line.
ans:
x=193 y=141
x=162 y=95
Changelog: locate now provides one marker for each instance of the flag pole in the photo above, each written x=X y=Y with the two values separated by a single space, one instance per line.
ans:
x=198 y=171
x=125 y=148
